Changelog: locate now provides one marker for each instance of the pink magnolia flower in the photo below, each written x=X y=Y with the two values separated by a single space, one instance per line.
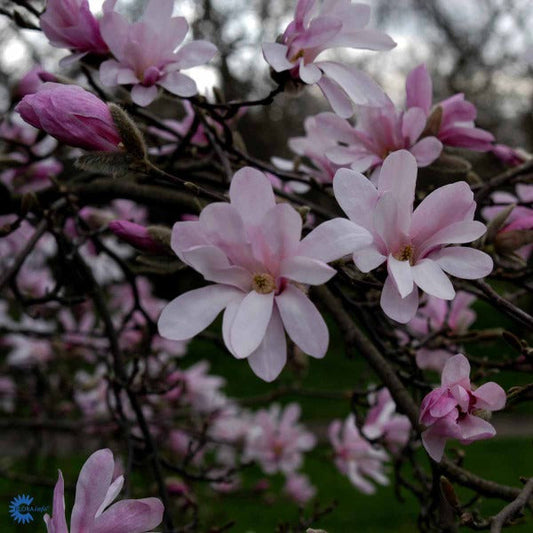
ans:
x=251 y=249
x=453 y=410
x=455 y=127
x=355 y=457
x=382 y=422
x=71 y=115
x=32 y=80
x=317 y=28
x=412 y=244
x=276 y=441
x=137 y=235
x=70 y=24
x=95 y=490
x=380 y=131
x=509 y=156
x=299 y=488
x=144 y=52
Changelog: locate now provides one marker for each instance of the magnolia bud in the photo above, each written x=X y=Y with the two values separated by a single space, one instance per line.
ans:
x=140 y=236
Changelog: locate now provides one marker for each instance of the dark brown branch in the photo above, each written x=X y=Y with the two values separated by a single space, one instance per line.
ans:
x=511 y=510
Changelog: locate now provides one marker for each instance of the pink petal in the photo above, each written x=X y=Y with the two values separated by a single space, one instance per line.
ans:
x=428 y=275
x=306 y=270
x=251 y=194
x=333 y=239
x=109 y=72
x=337 y=98
x=456 y=371
x=456 y=233
x=227 y=322
x=394 y=306
x=268 y=360
x=275 y=55
x=426 y=151
x=367 y=259
x=188 y=314
x=386 y=223
x=400 y=272
x=474 y=428
x=142 y=95
x=434 y=443
x=398 y=176
x=361 y=88
x=93 y=482
x=309 y=73
x=363 y=39
x=321 y=29
x=250 y=323
x=186 y=235
x=58 y=522
x=490 y=396
x=413 y=124
x=112 y=492
x=419 y=89
x=444 y=206
x=356 y=195
x=303 y=322
x=465 y=263
x=194 y=54
x=130 y=516
x=179 y=84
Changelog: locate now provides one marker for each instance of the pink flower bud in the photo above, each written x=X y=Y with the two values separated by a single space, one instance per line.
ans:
x=70 y=24
x=32 y=80
x=71 y=115
x=136 y=235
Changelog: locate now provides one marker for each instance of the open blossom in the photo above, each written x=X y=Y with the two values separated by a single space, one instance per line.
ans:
x=70 y=24
x=95 y=491
x=378 y=132
x=355 y=457
x=414 y=245
x=72 y=115
x=383 y=422
x=451 y=411
x=145 y=54
x=276 y=441
x=251 y=249
x=452 y=119
x=321 y=26
x=299 y=488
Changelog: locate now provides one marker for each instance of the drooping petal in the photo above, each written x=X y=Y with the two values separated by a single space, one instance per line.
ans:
x=275 y=55
x=130 y=516
x=142 y=95
x=91 y=489
x=303 y=322
x=490 y=396
x=465 y=263
x=179 y=84
x=336 y=96
x=268 y=360
x=306 y=270
x=309 y=73
x=188 y=314
x=419 y=89
x=251 y=194
x=394 y=306
x=400 y=272
x=474 y=428
x=250 y=323
x=428 y=275
x=334 y=239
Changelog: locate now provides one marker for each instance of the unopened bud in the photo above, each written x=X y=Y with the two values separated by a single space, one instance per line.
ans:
x=507 y=242
x=137 y=235
x=449 y=492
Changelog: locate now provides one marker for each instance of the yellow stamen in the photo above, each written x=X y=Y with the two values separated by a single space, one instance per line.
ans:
x=263 y=283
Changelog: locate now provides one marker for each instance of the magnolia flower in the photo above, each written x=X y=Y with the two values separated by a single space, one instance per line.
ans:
x=144 y=52
x=412 y=244
x=380 y=131
x=455 y=410
x=355 y=457
x=95 y=490
x=276 y=441
x=451 y=120
x=70 y=24
x=32 y=80
x=299 y=488
x=509 y=156
x=72 y=115
x=251 y=249
x=336 y=23
x=142 y=237
x=382 y=422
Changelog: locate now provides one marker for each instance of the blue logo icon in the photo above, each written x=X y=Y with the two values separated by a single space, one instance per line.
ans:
x=20 y=507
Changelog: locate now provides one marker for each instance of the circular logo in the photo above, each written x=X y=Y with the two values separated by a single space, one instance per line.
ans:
x=18 y=509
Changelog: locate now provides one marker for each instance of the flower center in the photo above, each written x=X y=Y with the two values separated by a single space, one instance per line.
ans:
x=405 y=254
x=263 y=283
x=296 y=56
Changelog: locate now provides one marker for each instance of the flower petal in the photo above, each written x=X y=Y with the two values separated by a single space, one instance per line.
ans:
x=428 y=275
x=394 y=306
x=490 y=396
x=303 y=322
x=400 y=272
x=179 y=84
x=188 y=314
x=419 y=89
x=367 y=259
x=474 y=428
x=275 y=55
x=130 y=516
x=337 y=98
x=142 y=95
x=426 y=151
x=456 y=371
x=465 y=263
x=194 y=53
x=306 y=270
